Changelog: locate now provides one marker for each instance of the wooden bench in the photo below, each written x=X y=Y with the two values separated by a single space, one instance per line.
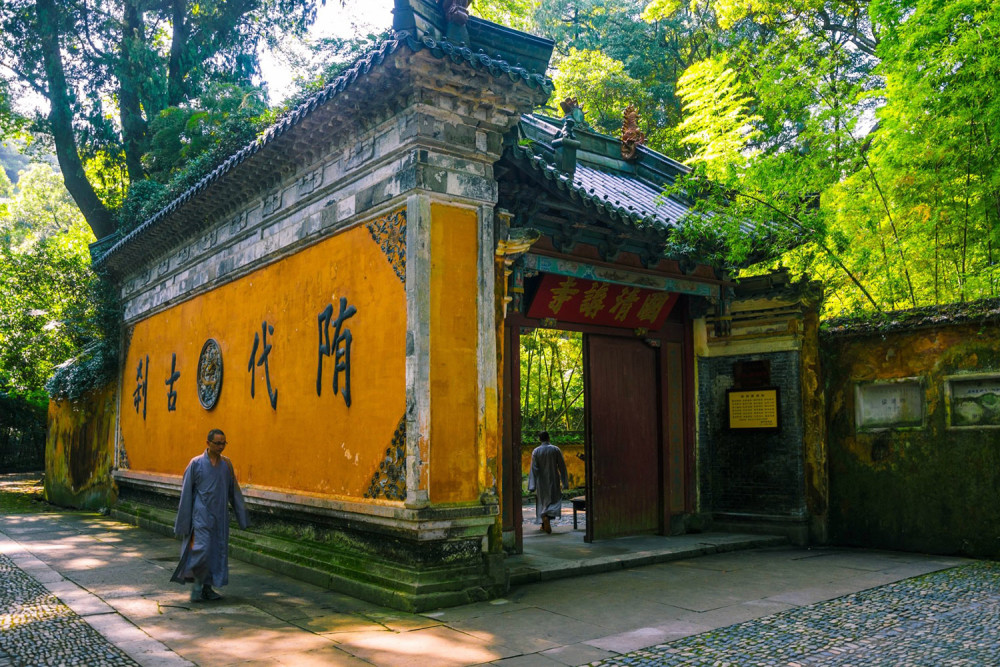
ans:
x=579 y=505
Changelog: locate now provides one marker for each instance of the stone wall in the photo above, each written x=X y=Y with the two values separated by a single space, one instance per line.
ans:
x=930 y=482
x=769 y=479
x=79 y=451
x=757 y=472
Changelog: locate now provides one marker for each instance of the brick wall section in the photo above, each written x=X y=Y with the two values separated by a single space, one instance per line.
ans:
x=750 y=472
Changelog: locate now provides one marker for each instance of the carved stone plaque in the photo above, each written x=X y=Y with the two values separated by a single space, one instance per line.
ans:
x=209 y=374
x=974 y=402
x=890 y=404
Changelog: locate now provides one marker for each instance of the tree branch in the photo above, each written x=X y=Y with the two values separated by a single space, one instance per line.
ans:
x=61 y=121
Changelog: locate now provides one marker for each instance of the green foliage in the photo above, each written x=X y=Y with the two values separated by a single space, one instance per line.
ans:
x=223 y=119
x=109 y=72
x=602 y=87
x=321 y=62
x=40 y=208
x=46 y=314
x=12 y=160
x=516 y=14
x=52 y=305
x=640 y=59
x=863 y=133
x=718 y=124
x=552 y=382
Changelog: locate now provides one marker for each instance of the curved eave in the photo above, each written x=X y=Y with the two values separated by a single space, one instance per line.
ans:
x=273 y=145
x=613 y=211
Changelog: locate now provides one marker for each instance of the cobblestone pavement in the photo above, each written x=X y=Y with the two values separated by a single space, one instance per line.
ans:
x=944 y=618
x=36 y=628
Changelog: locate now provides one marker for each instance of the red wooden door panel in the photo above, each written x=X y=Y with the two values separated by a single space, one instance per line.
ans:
x=624 y=473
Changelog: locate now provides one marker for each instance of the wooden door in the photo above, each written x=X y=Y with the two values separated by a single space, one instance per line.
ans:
x=624 y=495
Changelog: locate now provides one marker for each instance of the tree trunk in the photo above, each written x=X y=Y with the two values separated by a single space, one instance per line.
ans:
x=176 y=67
x=61 y=121
x=133 y=123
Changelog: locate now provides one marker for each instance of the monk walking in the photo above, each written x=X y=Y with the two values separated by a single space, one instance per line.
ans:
x=548 y=469
x=208 y=489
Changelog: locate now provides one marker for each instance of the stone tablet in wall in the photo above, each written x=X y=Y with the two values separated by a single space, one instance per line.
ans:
x=889 y=404
x=974 y=401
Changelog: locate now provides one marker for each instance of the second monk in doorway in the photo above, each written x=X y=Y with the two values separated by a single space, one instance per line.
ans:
x=548 y=469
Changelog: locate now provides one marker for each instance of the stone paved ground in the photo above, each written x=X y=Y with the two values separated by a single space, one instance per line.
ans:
x=37 y=629
x=945 y=618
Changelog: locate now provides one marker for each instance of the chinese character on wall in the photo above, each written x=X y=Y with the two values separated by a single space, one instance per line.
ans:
x=260 y=342
x=174 y=375
x=339 y=348
x=139 y=395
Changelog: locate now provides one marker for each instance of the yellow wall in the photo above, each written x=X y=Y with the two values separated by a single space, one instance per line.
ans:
x=79 y=451
x=310 y=443
x=454 y=456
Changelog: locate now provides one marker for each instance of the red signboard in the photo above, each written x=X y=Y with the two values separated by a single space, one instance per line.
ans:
x=572 y=299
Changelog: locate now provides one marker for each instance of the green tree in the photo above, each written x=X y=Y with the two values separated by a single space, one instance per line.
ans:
x=47 y=305
x=601 y=86
x=552 y=382
x=861 y=132
x=42 y=207
x=610 y=54
x=109 y=70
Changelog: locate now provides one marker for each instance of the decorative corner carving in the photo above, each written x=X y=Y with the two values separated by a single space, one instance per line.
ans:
x=389 y=232
x=238 y=224
x=632 y=136
x=184 y=254
x=519 y=240
x=609 y=249
x=272 y=202
x=310 y=182
x=389 y=479
x=210 y=239
x=163 y=267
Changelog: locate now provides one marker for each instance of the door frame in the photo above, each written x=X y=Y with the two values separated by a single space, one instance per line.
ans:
x=677 y=329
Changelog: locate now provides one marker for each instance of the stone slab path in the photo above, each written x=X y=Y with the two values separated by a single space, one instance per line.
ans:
x=80 y=589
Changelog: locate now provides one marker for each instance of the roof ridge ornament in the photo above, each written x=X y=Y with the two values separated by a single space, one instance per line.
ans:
x=571 y=107
x=632 y=136
x=565 y=143
x=456 y=15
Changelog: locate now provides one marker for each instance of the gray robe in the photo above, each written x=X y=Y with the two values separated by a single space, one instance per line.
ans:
x=203 y=520
x=547 y=469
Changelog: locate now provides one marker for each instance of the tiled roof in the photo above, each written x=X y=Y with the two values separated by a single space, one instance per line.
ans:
x=630 y=192
x=624 y=198
x=626 y=191
x=150 y=232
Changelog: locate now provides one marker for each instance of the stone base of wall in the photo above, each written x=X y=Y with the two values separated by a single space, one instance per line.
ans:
x=793 y=528
x=382 y=562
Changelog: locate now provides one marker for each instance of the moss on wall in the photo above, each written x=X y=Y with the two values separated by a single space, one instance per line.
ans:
x=79 y=451
x=929 y=488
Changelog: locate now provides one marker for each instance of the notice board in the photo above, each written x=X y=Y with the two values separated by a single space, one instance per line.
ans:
x=753 y=409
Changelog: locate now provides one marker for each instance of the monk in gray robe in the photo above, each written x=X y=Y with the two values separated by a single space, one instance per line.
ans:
x=208 y=489
x=548 y=469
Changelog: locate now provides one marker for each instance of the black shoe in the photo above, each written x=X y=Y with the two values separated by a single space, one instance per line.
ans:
x=208 y=594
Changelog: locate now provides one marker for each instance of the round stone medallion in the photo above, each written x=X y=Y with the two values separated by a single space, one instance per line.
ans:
x=209 y=374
